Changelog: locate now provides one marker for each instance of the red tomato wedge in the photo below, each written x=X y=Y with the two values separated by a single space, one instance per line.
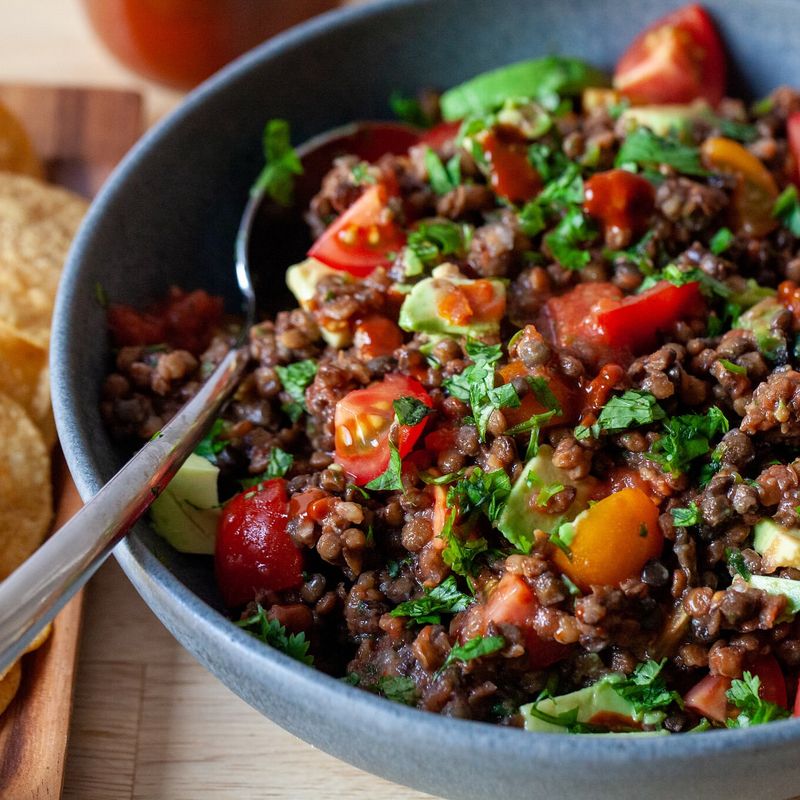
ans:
x=366 y=236
x=513 y=602
x=440 y=134
x=793 y=134
x=677 y=59
x=254 y=553
x=621 y=201
x=636 y=319
x=362 y=420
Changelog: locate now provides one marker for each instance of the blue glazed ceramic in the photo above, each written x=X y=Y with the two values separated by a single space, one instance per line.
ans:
x=169 y=215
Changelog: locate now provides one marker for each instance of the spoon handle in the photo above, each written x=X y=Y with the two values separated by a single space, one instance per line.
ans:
x=32 y=595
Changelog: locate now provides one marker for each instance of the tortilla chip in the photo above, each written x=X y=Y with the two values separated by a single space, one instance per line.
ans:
x=16 y=151
x=25 y=378
x=39 y=639
x=26 y=497
x=9 y=684
x=37 y=225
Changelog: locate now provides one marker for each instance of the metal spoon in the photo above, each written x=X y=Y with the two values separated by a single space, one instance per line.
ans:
x=32 y=595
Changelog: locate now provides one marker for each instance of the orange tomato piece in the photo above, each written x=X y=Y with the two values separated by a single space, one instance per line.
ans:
x=613 y=540
x=530 y=404
x=377 y=336
x=472 y=302
x=756 y=191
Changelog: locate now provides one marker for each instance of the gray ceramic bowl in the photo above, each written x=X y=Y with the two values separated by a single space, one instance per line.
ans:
x=169 y=215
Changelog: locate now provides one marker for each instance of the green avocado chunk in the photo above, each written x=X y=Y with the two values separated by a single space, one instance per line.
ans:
x=781 y=586
x=759 y=319
x=597 y=704
x=777 y=546
x=521 y=516
x=186 y=513
x=664 y=119
x=533 y=79
x=420 y=309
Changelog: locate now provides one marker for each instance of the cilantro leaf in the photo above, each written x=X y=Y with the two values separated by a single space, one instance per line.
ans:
x=392 y=478
x=409 y=109
x=271 y=632
x=211 y=445
x=684 y=517
x=787 y=210
x=474 y=648
x=460 y=554
x=427 y=610
x=399 y=688
x=646 y=149
x=410 y=411
x=565 y=240
x=564 y=719
x=294 y=379
x=744 y=694
x=686 y=438
x=737 y=369
x=282 y=163
x=430 y=241
x=279 y=463
x=721 y=241
x=481 y=491
x=735 y=561
x=443 y=179
x=634 y=407
x=645 y=689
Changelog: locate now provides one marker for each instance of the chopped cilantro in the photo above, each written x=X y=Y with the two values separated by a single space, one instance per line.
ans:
x=282 y=163
x=645 y=689
x=279 y=463
x=475 y=648
x=409 y=109
x=571 y=587
x=721 y=241
x=563 y=193
x=565 y=240
x=646 y=149
x=212 y=444
x=392 y=478
x=549 y=162
x=427 y=610
x=430 y=241
x=684 y=517
x=735 y=561
x=686 y=438
x=740 y=131
x=635 y=407
x=481 y=491
x=410 y=411
x=441 y=480
x=443 y=178
x=543 y=393
x=753 y=710
x=787 y=210
x=294 y=379
x=565 y=719
x=271 y=632
x=679 y=277
x=562 y=538
x=399 y=688
x=360 y=174
x=731 y=367
x=637 y=254
x=460 y=554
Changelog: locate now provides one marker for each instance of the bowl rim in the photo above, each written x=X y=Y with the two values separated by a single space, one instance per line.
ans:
x=153 y=580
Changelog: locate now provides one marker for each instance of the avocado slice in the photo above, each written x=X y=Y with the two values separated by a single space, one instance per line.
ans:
x=521 y=516
x=778 y=546
x=760 y=319
x=186 y=513
x=302 y=280
x=782 y=586
x=598 y=704
x=664 y=119
x=420 y=309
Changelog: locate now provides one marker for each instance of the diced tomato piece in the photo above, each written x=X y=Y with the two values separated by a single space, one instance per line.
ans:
x=622 y=201
x=599 y=390
x=362 y=420
x=254 y=552
x=471 y=303
x=364 y=237
x=440 y=134
x=442 y=438
x=512 y=176
x=565 y=392
x=636 y=320
x=793 y=135
x=513 y=602
x=708 y=699
x=376 y=336
x=796 y=707
x=677 y=59
x=129 y=327
x=773 y=683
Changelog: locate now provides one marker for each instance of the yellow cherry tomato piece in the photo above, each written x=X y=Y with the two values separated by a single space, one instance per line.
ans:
x=756 y=191
x=612 y=541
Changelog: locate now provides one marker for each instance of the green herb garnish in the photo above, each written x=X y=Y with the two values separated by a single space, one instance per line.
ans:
x=271 y=632
x=787 y=210
x=721 y=241
x=398 y=688
x=475 y=648
x=684 y=517
x=686 y=438
x=427 y=610
x=279 y=463
x=410 y=411
x=294 y=379
x=634 y=407
x=392 y=477
x=212 y=444
x=645 y=689
x=744 y=694
x=646 y=149
x=282 y=163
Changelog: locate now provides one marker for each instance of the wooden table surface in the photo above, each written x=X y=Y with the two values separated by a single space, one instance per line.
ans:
x=149 y=722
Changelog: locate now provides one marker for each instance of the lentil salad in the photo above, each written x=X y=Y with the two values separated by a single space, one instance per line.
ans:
x=514 y=447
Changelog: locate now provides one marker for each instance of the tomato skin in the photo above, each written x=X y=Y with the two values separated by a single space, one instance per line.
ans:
x=563 y=391
x=793 y=135
x=362 y=420
x=376 y=336
x=677 y=59
x=512 y=176
x=773 y=683
x=254 y=553
x=635 y=321
x=513 y=602
x=622 y=201
x=613 y=540
x=363 y=237
x=439 y=135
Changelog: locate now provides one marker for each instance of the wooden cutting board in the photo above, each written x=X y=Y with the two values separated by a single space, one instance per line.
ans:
x=80 y=135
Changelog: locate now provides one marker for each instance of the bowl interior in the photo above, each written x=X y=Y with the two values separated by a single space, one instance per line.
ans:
x=169 y=216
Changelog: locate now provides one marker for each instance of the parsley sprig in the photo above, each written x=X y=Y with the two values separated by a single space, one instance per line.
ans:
x=787 y=210
x=481 y=491
x=646 y=689
x=278 y=464
x=753 y=710
x=644 y=148
x=295 y=378
x=635 y=407
x=282 y=163
x=271 y=632
x=686 y=438
x=213 y=443
x=475 y=648
x=446 y=598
